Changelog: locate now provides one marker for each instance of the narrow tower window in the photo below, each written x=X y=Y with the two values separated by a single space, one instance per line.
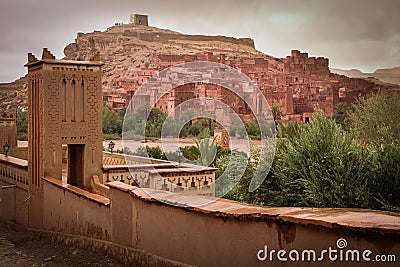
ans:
x=83 y=100
x=73 y=101
x=64 y=100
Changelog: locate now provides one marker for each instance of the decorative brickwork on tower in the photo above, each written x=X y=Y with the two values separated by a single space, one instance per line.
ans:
x=64 y=100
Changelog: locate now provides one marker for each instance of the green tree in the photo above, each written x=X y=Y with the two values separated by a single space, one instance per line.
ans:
x=22 y=121
x=147 y=151
x=289 y=129
x=253 y=129
x=377 y=119
x=155 y=123
x=376 y=124
x=342 y=116
x=276 y=111
x=191 y=153
x=255 y=167
x=229 y=175
x=112 y=123
x=154 y=152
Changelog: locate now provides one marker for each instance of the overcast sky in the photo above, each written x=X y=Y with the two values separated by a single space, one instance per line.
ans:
x=362 y=34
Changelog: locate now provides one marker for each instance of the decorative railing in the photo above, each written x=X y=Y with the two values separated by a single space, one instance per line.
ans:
x=121 y=159
x=120 y=173
x=157 y=174
x=14 y=171
x=185 y=180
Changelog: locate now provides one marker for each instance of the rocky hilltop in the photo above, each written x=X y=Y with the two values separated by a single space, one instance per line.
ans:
x=132 y=47
x=385 y=75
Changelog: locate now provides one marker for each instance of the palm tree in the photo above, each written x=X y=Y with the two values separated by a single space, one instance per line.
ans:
x=276 y=111
x=208 y=152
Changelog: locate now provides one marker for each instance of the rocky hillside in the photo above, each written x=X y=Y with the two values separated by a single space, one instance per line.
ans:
x=385 y=75
x=131 y=47
x=128 y=47
x=13 y=95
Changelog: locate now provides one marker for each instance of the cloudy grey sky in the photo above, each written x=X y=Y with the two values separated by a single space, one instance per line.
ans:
x=363 y=34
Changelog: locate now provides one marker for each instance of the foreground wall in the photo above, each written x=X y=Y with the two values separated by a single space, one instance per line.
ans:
x=13 y=204
x=139 y=230
x=71 y=210
x=227 y=233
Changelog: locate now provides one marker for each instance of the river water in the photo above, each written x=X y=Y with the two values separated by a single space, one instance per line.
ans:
x=172 y=144
x=167 y=144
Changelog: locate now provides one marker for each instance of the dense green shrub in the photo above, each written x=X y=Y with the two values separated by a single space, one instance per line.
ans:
x=323 y=167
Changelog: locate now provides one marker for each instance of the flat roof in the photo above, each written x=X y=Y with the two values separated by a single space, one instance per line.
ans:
x=64 y=62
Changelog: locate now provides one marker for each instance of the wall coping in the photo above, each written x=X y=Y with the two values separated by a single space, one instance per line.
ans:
x=152 y=163
x=160 y=168
x=13 y=161
x=364 y=220
x=78 y=191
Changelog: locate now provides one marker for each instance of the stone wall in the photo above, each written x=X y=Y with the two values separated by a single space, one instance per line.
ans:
x=166 y=37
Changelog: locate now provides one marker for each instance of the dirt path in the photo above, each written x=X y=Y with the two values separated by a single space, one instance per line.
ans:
x=22 y=248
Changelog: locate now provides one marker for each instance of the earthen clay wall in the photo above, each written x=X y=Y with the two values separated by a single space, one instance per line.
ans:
x=220 y=233
x=226 y=233
x=71 y=210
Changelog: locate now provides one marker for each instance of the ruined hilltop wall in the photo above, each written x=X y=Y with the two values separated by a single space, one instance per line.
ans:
x=166 y=37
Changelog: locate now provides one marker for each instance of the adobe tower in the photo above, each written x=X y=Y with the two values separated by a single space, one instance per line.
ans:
x=65 y=108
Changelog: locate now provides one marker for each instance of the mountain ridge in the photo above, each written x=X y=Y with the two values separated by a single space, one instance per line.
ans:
x=389 y=75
